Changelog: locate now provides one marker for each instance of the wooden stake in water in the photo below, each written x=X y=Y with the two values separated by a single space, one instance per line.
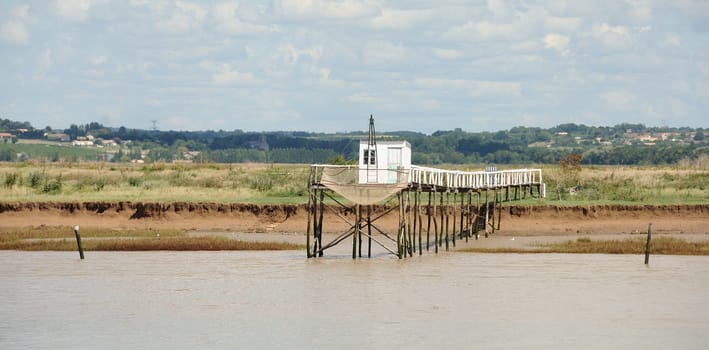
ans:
x=78 y=242
x=647 y=244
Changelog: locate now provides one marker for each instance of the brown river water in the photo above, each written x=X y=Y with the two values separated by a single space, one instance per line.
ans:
x=280 y=300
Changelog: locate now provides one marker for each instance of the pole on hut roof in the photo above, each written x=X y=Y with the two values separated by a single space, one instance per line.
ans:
x=371 y=155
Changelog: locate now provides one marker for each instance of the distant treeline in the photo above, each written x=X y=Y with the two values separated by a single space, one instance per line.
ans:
x=626 y=144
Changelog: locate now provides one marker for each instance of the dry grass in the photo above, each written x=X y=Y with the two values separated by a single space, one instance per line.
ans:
x=147 y=244
x=585 y=245
x=57 y=232
x=95 y=239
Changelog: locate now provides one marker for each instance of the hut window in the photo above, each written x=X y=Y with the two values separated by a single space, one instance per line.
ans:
x=370 y=157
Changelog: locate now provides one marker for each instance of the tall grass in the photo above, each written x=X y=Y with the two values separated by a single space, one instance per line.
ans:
x=155 y=182
x=608 y=184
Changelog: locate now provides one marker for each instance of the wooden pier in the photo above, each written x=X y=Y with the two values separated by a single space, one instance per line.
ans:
x=436 y=208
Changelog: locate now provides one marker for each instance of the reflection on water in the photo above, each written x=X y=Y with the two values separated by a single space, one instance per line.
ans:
x=189 y=300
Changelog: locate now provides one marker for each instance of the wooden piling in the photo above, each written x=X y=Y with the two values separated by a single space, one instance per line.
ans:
x=499 y=211
x=78 y=242
x=448 y=205
x=358 y=232
x=369 y=231
x=428 y=221
x=442 y=217
x=647 y=244
x=415 y=208
x=399 y=243
x=409 y=214
x=320 y=219
x=476 y=227
x=487 y=212
x=307 y=230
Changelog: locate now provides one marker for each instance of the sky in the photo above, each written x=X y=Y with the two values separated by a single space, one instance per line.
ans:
x=325 y=66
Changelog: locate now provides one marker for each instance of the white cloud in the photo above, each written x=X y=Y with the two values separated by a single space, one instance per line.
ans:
x=321 y=9
x=185 y=17
x=640 y=11
x=154 y=5
x=557 y=42
x=228 y=21
x=400 y=19
x=612 y=37
x=44 y=62
x=476 y=88
x=14 y=30
x=380 y=52
x=562 y=24
x=496 y=88
x=226 y=74
x=451 y=59
x=513 y=24
x=499 y=8
x=292 y=54
x=366 y=98
x=619 y=100
x=674 y=40
x=447 y=54
x=443 y=83
x=97 y=60
x=73 y=10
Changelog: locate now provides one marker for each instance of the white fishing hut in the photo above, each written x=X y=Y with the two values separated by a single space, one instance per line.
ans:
x=384 y=162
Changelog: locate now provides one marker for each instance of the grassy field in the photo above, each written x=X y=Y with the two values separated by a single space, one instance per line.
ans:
x=285 y=183
x=254 y=183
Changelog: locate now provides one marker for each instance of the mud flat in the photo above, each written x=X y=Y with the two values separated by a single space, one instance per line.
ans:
x=520 y=225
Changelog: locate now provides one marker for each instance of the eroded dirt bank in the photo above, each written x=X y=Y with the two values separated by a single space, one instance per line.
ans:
x=284 y=218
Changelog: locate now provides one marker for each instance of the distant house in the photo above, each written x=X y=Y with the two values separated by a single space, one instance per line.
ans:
x=191 y=155
x=59 y=137
x=84 y=143
x=6 y=136
x=106 y=143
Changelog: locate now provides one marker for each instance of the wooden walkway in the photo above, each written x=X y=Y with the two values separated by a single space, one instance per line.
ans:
x=436 y=208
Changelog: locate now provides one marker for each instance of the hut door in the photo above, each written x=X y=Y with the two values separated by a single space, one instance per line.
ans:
x=393 y=164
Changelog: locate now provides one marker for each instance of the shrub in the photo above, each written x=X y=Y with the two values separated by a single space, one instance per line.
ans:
x=261 y=183
x=135 y=181
x=53 y=187
x=11 y=179
x=36 y=179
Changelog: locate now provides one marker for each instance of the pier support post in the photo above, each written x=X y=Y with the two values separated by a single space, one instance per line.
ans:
x=358 y=232
x=429 y=212
x=320 y=219
x=487 y=212
x=369 y=231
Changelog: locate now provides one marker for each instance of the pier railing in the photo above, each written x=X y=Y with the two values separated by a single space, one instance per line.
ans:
x=474 y=179
x=441 y=178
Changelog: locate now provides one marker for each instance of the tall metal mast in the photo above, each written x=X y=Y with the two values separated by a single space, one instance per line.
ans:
x=371 y=152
